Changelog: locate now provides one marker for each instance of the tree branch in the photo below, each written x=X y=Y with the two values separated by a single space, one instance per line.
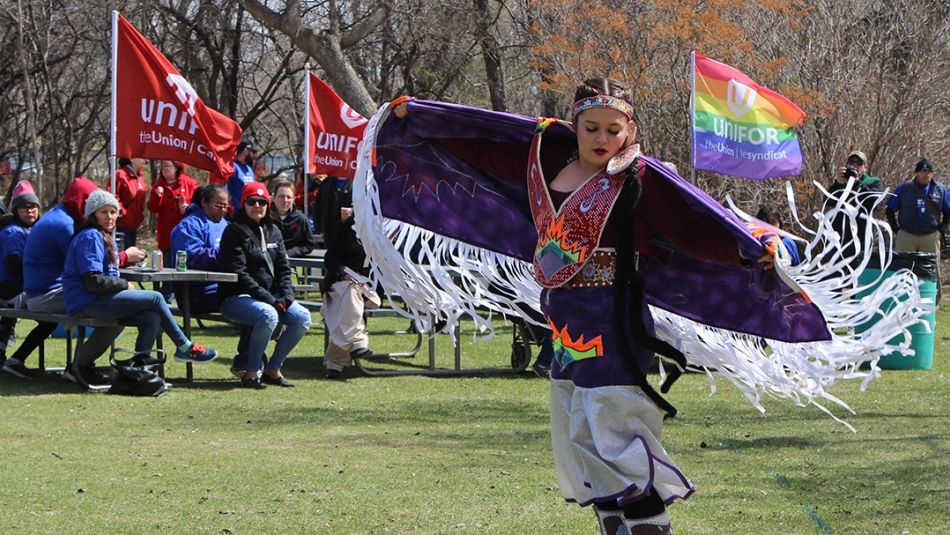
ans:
x=364 y=27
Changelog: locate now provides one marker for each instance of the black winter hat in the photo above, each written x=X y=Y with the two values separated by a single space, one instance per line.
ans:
x=924 y=165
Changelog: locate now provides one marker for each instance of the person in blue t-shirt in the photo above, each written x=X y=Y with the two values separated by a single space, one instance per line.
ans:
x=14 y=229
x=243 y=172
x=45 y=253
x=92 y=288
x=918 y=212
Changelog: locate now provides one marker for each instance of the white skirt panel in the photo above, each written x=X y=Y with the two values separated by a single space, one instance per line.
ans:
x=607 y=445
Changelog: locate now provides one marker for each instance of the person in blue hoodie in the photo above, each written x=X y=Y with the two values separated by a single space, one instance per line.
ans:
x=93 y=289
x=199 y=235
x=45 y=251
x=14 y=229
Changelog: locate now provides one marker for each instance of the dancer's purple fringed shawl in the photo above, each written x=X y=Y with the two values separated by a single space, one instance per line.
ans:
x=460 y=172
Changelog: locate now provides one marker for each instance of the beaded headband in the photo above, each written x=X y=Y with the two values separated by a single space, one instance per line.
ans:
x=602 y=101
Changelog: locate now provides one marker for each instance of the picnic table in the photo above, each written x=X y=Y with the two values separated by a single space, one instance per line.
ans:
x=158 y=276
x=520 y=348
x=310 y=270
x=315 y=262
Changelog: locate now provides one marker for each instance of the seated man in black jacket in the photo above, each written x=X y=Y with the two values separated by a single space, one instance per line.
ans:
x=344 y=299
x=293 y=225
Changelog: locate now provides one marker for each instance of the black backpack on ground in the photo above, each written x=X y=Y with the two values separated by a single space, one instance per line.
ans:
x=134 y=381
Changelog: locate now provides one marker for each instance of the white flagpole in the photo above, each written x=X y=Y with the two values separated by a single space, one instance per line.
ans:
x=306 y=143
x=112 y=105
x=692 y=115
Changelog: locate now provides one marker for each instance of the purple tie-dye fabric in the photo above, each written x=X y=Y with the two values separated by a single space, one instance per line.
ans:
x=460 y=172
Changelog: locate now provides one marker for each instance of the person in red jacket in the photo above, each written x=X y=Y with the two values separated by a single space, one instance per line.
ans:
x=131 y=191
x=170 y=195
x=168 y=199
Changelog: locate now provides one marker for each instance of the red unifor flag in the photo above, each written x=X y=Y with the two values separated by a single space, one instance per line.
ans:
x=158 y=115
x=334 y=132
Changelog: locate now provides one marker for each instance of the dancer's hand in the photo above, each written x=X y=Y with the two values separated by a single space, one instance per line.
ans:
x=769 y=241
x=401 y=110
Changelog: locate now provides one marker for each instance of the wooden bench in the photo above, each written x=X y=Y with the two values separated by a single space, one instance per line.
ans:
x=67 y=321
x=316 y=306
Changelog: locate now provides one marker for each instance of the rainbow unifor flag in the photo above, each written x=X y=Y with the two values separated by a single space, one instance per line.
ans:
x=741 y=128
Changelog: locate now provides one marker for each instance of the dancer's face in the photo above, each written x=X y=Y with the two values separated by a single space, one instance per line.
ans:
x=601 y=133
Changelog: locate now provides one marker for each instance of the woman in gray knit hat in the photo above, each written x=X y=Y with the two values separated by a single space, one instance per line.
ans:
x=92 y=288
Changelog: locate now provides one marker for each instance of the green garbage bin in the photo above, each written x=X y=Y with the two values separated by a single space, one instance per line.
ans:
x=922 y=342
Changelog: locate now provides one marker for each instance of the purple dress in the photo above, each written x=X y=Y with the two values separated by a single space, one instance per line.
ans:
x=605 y=430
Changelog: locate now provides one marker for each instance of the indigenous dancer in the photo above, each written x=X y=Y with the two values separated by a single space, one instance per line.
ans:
x=606 y=418
x=613 y=232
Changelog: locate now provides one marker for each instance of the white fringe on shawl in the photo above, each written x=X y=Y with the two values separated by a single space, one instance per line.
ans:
x=446 y=279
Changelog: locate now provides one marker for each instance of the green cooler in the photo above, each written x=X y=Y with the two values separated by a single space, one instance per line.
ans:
x=922 y=342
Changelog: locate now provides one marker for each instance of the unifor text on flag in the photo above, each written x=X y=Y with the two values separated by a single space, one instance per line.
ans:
x=335 y=132
x=741 y=128
x=158 y=114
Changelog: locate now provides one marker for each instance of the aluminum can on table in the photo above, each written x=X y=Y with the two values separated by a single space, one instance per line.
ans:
x=156 y=259
x=181 y=261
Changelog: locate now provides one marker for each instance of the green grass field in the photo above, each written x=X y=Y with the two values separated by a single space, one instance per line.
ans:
x=448 y=455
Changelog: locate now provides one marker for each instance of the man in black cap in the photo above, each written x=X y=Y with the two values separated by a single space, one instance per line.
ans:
x=919 y=211
x=243 y=172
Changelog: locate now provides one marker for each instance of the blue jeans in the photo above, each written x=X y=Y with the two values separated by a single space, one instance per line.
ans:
x=144 y=309
x=245 y=310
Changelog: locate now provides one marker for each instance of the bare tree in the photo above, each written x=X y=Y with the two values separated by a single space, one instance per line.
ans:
x=327 y=45
x=491 y=54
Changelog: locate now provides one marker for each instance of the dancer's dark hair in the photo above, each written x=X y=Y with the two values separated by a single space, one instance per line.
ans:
x=628 y=284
